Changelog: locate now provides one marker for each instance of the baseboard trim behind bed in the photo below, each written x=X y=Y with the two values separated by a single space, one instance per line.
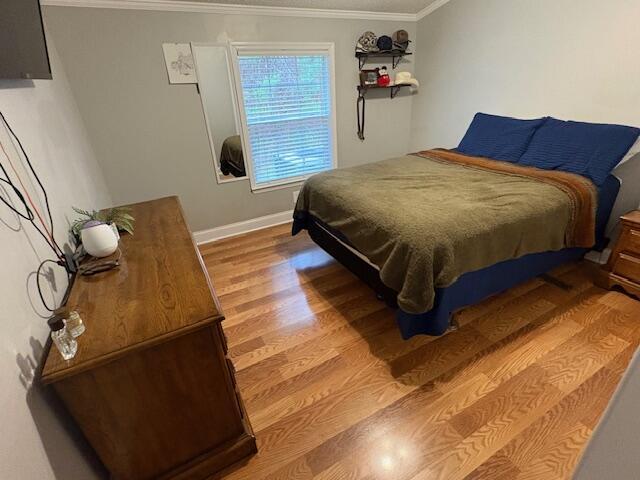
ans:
x=238 y=228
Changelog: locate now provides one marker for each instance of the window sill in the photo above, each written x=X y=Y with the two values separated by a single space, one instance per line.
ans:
x=296 y=183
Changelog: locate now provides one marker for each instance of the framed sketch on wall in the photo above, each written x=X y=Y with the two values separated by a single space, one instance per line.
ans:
x=179 y=61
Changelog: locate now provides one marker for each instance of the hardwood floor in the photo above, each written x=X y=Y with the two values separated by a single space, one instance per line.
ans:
x=333 y=392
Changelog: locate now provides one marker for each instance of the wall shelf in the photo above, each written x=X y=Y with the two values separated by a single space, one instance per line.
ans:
x=393 y=89
x=395 y=56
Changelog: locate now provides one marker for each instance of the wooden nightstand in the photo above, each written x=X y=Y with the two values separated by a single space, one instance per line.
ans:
x=623 y=268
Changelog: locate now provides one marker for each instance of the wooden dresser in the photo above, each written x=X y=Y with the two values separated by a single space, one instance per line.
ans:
x=623 y=268
x=151 y=386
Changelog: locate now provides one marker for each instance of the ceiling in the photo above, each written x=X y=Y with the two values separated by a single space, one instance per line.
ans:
x=384 y=6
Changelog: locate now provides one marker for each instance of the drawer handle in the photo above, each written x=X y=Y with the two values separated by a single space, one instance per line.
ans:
x=630 y=258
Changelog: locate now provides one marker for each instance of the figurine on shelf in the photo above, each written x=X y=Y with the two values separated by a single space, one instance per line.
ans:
x=383 y=77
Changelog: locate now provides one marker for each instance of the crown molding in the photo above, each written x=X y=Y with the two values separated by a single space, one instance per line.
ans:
x=430 y=9
x=226 y=9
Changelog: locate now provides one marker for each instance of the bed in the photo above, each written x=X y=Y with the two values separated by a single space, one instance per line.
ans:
x=521 y=219
x=232 y=158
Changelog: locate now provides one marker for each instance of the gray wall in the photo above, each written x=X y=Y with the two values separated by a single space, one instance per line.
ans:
x=37 y=440
x=572 y=59
x=150 y=137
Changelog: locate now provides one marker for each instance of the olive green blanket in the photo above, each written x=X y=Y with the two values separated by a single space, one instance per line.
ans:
x=425 y=219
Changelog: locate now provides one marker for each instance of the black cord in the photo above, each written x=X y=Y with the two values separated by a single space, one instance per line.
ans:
x=57 y=262
x=29 y=216
x=44 y=191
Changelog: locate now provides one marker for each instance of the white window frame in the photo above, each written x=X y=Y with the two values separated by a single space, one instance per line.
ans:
x=281 y=48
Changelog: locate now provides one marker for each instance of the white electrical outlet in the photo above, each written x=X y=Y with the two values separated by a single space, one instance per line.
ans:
x=295 y=197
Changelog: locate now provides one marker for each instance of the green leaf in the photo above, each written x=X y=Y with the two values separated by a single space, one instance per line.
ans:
x=120 y=216
x=81 y=212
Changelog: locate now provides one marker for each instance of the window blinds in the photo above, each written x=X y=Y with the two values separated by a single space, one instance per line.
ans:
x=287 y=104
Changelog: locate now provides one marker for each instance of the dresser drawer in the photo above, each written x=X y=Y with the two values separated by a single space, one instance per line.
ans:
x=633 y=242
x=628 y=266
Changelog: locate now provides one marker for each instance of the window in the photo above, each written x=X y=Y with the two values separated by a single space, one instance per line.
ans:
x=288 y=111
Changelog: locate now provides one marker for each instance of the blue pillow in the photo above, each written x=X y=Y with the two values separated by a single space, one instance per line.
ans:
x=500 y=138
x=589 y=149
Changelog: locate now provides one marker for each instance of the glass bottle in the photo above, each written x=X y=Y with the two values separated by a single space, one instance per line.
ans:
x=64 y=341
x=74 y=324
x=72 y=321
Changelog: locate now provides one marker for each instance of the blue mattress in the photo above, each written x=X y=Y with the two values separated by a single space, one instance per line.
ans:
x=473 y=287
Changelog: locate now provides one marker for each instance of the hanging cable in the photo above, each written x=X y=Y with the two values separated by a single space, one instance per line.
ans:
x=28 y=211
x=44 y=191
x=28 y=215
x=31 y=202
x=38 y=272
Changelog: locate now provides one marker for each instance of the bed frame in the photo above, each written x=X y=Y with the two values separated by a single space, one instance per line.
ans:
x=352 y=262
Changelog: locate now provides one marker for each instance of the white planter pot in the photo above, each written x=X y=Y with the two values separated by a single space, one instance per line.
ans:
x=99 y=240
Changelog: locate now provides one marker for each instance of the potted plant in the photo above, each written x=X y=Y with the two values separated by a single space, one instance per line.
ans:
x=118 y=216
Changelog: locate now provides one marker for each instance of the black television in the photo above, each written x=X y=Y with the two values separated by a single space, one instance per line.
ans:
x=23 y=47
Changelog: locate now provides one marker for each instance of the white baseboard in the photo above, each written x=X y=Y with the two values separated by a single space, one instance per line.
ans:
x=233 y=229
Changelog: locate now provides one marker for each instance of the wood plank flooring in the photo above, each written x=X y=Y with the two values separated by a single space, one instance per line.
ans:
x=333 y=392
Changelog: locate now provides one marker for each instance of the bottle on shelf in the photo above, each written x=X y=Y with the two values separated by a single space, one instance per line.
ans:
x=62 y=338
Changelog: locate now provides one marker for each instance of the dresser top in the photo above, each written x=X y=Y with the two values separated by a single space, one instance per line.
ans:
x=632 y=217
x=159 y=291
